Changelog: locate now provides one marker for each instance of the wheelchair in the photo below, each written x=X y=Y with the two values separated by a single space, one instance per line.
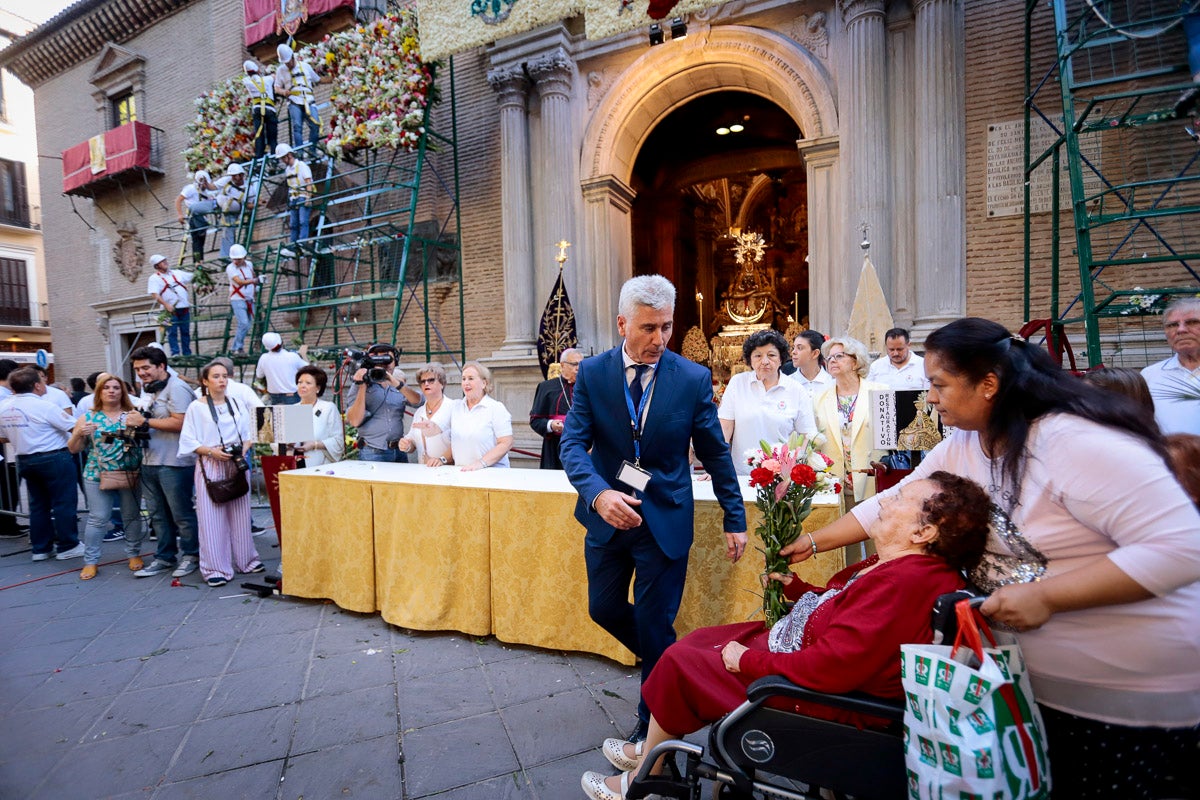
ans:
x=759 y=751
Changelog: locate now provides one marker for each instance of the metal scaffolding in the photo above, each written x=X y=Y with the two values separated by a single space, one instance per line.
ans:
x=382 y=262
x=1117 y=97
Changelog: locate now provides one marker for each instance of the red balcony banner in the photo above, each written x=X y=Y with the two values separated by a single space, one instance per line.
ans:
x=126 y=147
x=266 y=18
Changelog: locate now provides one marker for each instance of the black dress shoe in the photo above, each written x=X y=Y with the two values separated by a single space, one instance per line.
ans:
x=639 y=732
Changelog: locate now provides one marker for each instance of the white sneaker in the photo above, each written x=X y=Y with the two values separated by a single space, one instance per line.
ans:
x=156 y=568
x=286 y=252
x=74 y=552
x=187 y=565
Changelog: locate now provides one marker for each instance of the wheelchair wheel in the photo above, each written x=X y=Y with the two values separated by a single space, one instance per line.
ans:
x=723 y=791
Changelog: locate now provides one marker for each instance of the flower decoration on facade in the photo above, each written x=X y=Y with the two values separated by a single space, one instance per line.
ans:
x=381 y=86
x=221 y=132
x=787 y=476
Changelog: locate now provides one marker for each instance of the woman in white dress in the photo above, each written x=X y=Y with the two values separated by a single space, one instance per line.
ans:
x=329 y=443
x=217 y=429
x=763 y=404
x=479 y=427
x=430 y=450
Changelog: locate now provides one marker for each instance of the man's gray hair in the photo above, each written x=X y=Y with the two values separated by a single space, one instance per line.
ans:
x=652 y=291
x=570 y=351
x=1181 y=304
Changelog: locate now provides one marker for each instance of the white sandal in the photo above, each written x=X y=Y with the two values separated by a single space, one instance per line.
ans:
x=595 y=787
x=614 y=751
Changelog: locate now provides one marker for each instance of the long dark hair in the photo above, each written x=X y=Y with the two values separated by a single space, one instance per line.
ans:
x=1031 y=385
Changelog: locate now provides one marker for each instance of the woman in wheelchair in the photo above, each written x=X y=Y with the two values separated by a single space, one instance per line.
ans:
x=841 y=638
x=1093 y=558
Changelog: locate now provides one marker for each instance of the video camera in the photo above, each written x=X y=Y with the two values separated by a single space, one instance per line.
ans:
x=375 y=363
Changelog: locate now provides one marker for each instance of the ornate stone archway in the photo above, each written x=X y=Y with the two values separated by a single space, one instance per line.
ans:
x=754 y=60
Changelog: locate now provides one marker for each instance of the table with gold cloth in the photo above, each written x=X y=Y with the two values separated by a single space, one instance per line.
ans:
x=494 y=551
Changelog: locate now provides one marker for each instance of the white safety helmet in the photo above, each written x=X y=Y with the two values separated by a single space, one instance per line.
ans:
x=249 y=65
x=235 y=169
x=156 y=259
x=284 y=52
x=282 y=149
x=201 y=174
x=237 y=251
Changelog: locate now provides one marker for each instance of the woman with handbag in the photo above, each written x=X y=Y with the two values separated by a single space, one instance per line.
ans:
x=217 y=429
x=111 y=471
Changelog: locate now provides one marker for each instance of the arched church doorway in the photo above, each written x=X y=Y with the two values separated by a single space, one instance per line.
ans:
x=721 y=208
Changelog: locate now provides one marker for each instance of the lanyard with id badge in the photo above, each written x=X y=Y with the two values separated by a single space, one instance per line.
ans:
x=632 y=474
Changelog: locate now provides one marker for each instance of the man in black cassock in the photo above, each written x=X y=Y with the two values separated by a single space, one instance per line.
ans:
x=551 y=404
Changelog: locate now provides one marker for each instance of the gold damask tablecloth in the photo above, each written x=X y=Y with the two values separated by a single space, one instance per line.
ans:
x=495 y=551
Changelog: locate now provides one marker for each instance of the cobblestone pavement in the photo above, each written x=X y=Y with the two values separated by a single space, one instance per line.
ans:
x=124 y=687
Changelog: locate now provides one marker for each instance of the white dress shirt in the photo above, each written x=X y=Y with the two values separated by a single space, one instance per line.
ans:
x=910 y=377
x=761 y=414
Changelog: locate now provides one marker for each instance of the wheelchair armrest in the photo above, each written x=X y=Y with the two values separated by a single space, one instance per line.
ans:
x=857 y=702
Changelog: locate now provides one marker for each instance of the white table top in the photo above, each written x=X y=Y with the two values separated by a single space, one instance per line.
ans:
x=551 y=481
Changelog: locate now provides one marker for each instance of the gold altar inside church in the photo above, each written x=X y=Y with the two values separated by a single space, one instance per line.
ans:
x=722 y=210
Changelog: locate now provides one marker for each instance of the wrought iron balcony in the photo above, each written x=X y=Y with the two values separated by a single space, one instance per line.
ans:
x=130 y=153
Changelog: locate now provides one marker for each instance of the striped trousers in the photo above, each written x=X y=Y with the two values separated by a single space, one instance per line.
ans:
x=226 y=543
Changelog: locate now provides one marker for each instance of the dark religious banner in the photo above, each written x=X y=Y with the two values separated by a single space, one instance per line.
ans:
x=266 y=18
x=557 y=331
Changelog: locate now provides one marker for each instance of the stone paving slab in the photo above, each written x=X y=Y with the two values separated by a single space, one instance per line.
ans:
x=125 y=687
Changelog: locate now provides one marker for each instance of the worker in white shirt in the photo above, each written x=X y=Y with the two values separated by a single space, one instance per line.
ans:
x=298 y=81
x=198 y=199
x=260 y=91
x=242 y=285
x=231 y=197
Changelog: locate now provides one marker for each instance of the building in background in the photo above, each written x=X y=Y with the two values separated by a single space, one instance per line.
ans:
x=24 y=318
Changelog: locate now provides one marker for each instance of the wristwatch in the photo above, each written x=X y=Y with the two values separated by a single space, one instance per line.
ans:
x=443 y=459
x=359 y=383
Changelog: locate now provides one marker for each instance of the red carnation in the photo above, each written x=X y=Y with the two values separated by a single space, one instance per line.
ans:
x=760 y=476
x=804 y=475
x=837 y=488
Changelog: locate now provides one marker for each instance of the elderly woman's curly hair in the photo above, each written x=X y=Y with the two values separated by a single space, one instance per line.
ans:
x=961 y=511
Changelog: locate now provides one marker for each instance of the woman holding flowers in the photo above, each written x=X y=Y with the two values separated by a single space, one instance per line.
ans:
x=841 y=638
x=1094 y=557
x=844 y=418
x=763 y=404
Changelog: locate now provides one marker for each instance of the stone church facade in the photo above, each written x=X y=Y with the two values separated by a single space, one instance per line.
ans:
x=892 y=99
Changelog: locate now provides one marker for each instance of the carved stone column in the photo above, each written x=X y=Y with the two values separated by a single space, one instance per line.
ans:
x=520 y=320
x=609 y=230
x=556 y=161
x=902 y=134
x=865 y=139
x=830 y=295
x=940 y=164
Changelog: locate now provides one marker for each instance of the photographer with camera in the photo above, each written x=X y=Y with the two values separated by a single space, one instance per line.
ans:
x=166 y=476
x=217 y=429
x=376 y=404
x=111 y=471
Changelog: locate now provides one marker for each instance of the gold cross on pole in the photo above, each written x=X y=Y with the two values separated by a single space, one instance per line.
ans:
x=562 y=246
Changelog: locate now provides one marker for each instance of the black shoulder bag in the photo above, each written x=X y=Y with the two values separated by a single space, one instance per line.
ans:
x=237 y=485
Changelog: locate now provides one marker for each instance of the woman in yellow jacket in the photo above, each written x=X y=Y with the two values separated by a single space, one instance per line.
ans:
x=843 y=415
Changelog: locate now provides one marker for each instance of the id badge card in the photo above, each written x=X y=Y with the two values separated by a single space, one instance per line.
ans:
x=633 y=476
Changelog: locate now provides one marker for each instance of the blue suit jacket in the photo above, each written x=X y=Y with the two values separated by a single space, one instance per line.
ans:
x=681 y=411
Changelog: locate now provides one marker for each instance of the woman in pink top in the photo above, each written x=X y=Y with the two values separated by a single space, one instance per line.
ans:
x=1093 y=558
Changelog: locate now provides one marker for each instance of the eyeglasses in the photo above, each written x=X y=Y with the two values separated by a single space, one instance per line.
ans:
x=840 y=356
x=571 y=363
x=428 y=380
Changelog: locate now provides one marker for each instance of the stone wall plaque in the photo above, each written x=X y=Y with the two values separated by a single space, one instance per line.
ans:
x=1006 y=168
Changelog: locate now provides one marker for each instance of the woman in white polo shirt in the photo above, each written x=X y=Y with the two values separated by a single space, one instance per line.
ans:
x=480 y=428
x=763 y=404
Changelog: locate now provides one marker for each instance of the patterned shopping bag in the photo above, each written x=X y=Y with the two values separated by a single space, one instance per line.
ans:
x=971 y=727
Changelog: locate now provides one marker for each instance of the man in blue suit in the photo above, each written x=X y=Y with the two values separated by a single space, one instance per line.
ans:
x=636 y=409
